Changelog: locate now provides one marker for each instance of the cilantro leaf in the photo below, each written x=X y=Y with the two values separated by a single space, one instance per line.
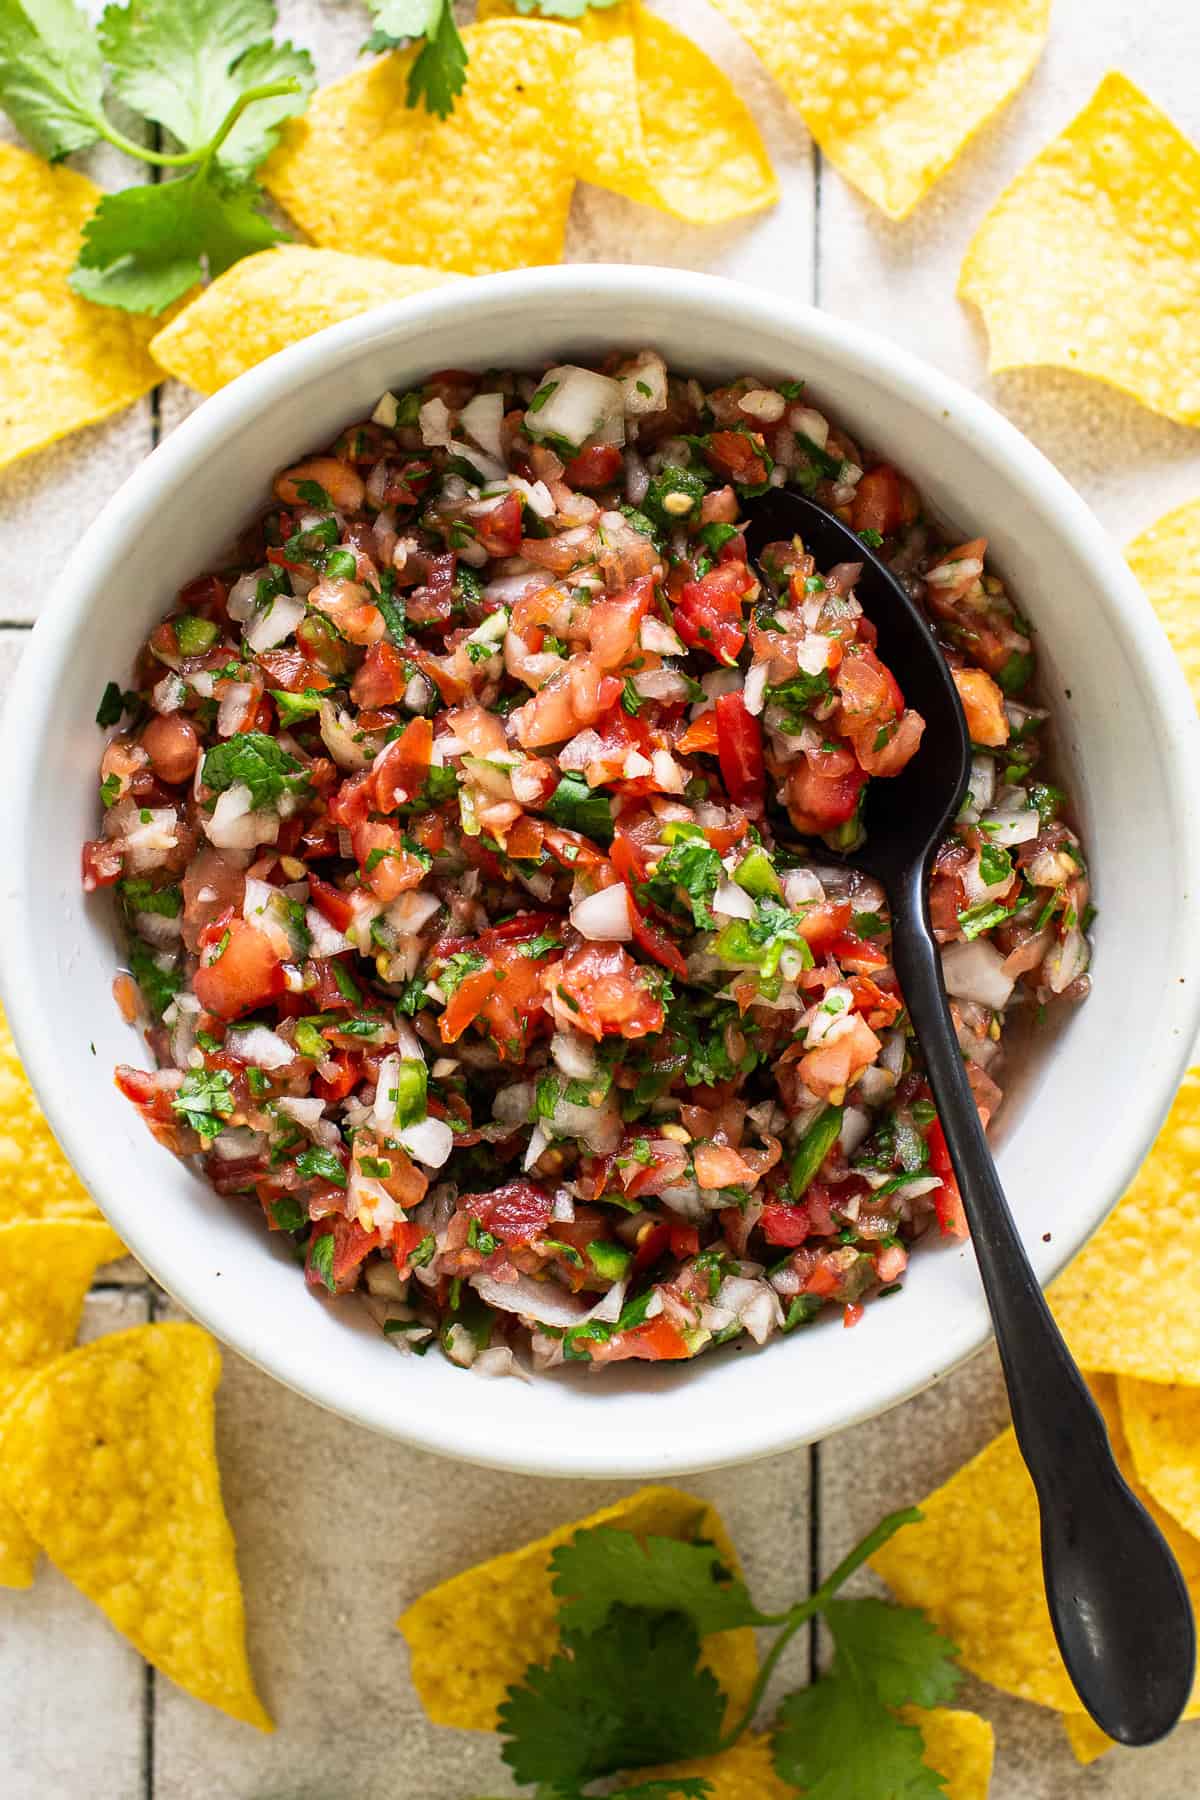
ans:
x=159 y=986
x=577 y=807
x=691 y=871
x=146 y=246
x=837 y=1741
x=604 y=1567
x=185 y=63
x=51 y=75
x=258 y=762
x=897 y=1650
x=686 y=1787
x=439 y=72
x=627 y=1695
x=204 y=1099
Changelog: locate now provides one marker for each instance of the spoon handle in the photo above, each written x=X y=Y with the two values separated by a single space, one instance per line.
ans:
x=1117 y=1600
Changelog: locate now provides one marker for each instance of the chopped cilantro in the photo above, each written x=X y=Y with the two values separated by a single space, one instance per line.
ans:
x=576 y=807
x=259 y=763
x=204 y=1100
x=322 y=1164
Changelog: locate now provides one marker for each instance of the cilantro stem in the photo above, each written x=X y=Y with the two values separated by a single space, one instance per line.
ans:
x=184 y=159
x=806 y=1609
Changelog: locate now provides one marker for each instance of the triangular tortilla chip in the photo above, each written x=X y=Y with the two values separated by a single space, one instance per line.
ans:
x=109 y=1458
x=974 y=1565
x=959 y=1745
x=1163 y=1427
x=474 y=1636
x=743 y=1772
x=1090 y=260
x=892 y=90
x=64 y=363
x=268 y=301
x=36 y=1180
x=487 y=188
x=1166 y=560
x=1129 y=1304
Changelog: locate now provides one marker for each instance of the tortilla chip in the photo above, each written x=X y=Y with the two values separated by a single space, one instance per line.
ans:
x=1091 y=258
x=474 y=1636
x=657 y=121
x=36 y=1180
x=974 y=1565
x=273 y=299
x=959 y=1745
x=488 y=188
x=46 y=1268
x=892 y=90
x=108 y=1456
x=64 y=363
x=1166 y=560
x=1163 y=1428
x=1129 y=1304
x=1086 y=1738
x=744 y=1772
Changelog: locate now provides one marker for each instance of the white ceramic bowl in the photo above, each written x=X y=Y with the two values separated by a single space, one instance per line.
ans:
x=1076 y=1124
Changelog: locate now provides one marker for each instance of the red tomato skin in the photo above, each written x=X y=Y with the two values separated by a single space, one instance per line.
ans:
x=948 y=1200
x=380 y=679
x=740 y=753
x=596 y=466
x=883 y=501
x=246 y=975
x=787 y=1226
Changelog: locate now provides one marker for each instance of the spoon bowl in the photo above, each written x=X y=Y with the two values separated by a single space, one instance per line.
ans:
x=1117 y=1600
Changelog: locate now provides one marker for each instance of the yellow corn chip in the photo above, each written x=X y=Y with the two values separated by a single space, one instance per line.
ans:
x=892 y=90
x=744 y=1772
x=1130 y=1302
x=1166 y=560
x=268 y=301
x=974 y=1565
x=473 y=1637
x=1086 y=1738
x=108 y=1456
x=36 y=1180
x=487 y=188
x=46 y=1268
x=1091 y=258
x=1163 y=1428
x=657 y=121
x=959 y=1745
x=64 y=363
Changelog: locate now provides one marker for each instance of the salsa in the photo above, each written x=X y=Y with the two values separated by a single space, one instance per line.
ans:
x=466 y=824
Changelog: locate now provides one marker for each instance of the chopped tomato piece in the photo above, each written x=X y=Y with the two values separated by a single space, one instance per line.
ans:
x=465 y=1002
x=388 y=869
x=597 y=465
x=606 y=993
x=947 y=1200
x=740 y=749
x=823 y=925
x=401 y=769
x=787 y=1226
x=348 y=1072
x=655 y=1341
x=818 y=803
x=883 y=501
x=243 y=972
x=708 y=612
x=499 y=531
x=656 y=943
x=701 y=735
x=351 y=803
x=517 y=1212
x=351 y=1246
x=738 y=455
x=103 y=860
x=331 y=902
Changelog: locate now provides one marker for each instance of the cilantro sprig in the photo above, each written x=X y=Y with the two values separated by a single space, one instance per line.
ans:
x=209 y=74
x=626 y=1688
x=439 y=71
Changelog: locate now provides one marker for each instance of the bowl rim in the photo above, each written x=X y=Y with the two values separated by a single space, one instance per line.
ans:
x=911 y=381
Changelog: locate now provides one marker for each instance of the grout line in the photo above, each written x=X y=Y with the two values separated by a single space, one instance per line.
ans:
x=149 y=1688
x=16 y=624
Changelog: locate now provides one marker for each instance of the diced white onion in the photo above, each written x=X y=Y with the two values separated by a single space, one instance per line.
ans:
x=234 y=825
x=608 y=1309
x=544 y=1301
x=434 y=419
x=975 y=971
x=661 y=684
x=604 y=917
x=659 y=638
x=169 y=694
x=341 y=741
x=732 y=901
x=387 y=411
x=538 y=1141
x=581 y=404
x=574 y=1054
x=645 y=387
x=259 y=1045
x=429 y=1141
x=481 y=418
x=856 y=1123
x=1011 y=828
x=1066 y=961
x=327 y=940
x=801 y=886
x=275 y=623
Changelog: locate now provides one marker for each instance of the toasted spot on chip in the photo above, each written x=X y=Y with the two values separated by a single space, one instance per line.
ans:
x=36 y=1180
x=959 y=1745
x=1166 y=560
x=892 y=90
x=488 y=188
x=1091 y=258
x=657 y=121
x=273 y=299
x=46 y=1268
x=1129 y=1304
x=474 y=1636
x=108 y=1456
x=1086 y=1738
x=743 y=1772
x=1163 y=1428
x=64 y=363
x=974 y=1565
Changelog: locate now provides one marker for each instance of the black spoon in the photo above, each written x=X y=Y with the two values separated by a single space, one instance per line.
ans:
x=1118 y=1602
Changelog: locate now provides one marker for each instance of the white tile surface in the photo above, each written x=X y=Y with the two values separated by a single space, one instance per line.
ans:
x=337 y=1530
